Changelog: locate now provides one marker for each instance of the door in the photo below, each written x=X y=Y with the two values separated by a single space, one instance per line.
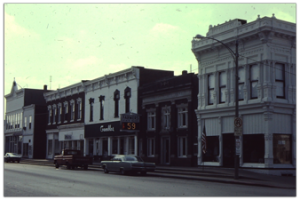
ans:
x=166 y=151
x=228 y=150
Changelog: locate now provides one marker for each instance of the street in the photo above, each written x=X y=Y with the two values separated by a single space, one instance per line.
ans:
x=22 y=180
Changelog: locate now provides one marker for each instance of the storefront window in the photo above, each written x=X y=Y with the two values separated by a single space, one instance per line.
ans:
x=49 y=147
x=282 y=149
x=254 y=148
x=131 y=145
x=212 y=149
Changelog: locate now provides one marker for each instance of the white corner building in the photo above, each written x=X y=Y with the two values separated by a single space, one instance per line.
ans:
x=266 y=94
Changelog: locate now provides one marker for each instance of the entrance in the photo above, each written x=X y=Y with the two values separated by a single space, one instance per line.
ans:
x=228 y=150
x=166 y=151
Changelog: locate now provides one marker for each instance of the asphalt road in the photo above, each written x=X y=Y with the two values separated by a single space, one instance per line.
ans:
x=22 y=180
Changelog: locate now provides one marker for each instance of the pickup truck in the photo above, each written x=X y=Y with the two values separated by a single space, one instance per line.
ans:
x=72 y=158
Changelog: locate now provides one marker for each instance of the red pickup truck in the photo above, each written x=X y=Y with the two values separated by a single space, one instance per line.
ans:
x=72 y=158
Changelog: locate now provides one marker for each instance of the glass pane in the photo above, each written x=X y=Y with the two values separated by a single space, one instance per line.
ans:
x=254 y=72
x=241 y=91
x=211 y=81
x=279 y=72
x=282 y=149
x=254 y=90
x=222 y=97
x=211 y=97
x=279 y=89
x=241 y=73
x=222 y=79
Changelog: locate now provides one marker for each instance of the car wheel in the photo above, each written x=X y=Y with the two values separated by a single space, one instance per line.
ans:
x=143 y=173
x=18 y=161
x=56 y=165
x=68 y=166
x=106 y=171
x=85 y=167
x=122 y=171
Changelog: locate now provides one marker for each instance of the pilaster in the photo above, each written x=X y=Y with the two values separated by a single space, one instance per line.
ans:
x=268 y=114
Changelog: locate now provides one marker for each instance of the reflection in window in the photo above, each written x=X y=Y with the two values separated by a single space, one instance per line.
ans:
x=282 y=149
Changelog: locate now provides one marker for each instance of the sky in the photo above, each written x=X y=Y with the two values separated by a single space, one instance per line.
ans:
x=61 y=44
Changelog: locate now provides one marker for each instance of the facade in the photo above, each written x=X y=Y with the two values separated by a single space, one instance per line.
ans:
x=169 y=128
x=266 y=92
x=107 y=99
x=24 y=127
x=65 y=119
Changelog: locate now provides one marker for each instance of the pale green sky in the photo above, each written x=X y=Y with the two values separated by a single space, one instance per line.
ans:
x=74 y=42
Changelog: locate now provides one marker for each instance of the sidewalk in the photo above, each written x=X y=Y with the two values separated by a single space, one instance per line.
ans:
x=212 y=174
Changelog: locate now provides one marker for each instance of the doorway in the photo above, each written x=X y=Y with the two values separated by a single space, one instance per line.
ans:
x=228 y=150
x=165 y=151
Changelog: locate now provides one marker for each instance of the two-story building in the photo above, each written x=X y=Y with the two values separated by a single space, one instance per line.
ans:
x=107 y=99
x=169 y=126
x=65 y=119
x=24 y=127
x=266 y=94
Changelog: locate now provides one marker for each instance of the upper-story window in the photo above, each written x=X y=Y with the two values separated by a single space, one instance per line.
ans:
x=241 y=74
x=166 y=117
x=151 y=117
x=116 y=99
x=254 y=76
x=280 y=80
x=59 y=113
x=101 y=100
x=66 y=111
x=79 y=108
x=54 y=114
x=30 y=122
x=222 y=87
x=49 y=114
x=211 y=88
x=182 y=116
x=91 y=109
x=127 y=95
x=72 y=105
x=25 y=122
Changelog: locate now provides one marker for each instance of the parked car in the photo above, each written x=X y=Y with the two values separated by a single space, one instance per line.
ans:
x=12 y=157
x=72 y=158
x=125 y=164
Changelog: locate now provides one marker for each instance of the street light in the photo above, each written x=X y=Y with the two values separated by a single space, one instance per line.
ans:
x=235 y=57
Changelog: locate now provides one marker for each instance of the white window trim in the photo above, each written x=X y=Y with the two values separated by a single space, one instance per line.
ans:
x=149 y=147
x=72 y=103
x=79 y=101
x=180 y=148
x=149 y=116
x=49 y=117
x=53 y=113
x=163 y=109
x=66 y=104
x=58 y=113
x=180 y=113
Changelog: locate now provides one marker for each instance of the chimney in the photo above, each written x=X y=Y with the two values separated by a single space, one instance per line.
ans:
x=45 y=87
x=184 y=72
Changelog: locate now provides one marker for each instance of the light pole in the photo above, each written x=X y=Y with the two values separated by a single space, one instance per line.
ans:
x=235 y=58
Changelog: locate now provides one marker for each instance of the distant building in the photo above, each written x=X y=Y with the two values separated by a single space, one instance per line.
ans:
x=267 y=94
x=169 y=125
x=65 y=119
x=107 y=99
x=24 y=127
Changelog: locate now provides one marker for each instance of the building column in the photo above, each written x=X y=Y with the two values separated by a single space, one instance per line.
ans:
x=109 y=146
x=268 y=137
x=135 y=145
x=199 y=140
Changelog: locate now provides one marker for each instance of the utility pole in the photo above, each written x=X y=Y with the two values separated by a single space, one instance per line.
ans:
x=237 y=159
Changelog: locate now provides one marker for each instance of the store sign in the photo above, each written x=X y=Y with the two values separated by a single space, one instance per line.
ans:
x=108 y=129
x=130 y=117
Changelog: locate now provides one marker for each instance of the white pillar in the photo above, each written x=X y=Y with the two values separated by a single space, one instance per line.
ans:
x=109 y=146
x=118 y=145
x=135 y=145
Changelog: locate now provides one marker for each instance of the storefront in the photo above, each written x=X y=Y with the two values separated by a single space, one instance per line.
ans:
x=104 y=140
x=14 y=142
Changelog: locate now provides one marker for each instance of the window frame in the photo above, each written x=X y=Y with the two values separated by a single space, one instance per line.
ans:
x=102 y=101
x=91 y=101
x=241 y=84
x=151 y=120
x=116 y=99
x=49 y=114
x=280 y=80
x=182 y=147
x=252 y=81
x=222 y=87
x=210 y=89
x=151 y=147
x=79 y=109
x=180 y=114
x=166 y=117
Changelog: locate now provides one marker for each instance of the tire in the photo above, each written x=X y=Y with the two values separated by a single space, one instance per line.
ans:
x=85 y=167
x=18 y=161
x=68 y=166
x=105 y=171
x=56 y=165
x=143 y=173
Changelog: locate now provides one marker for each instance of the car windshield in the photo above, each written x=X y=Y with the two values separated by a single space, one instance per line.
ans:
x=12 y=154
x=133 y=158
